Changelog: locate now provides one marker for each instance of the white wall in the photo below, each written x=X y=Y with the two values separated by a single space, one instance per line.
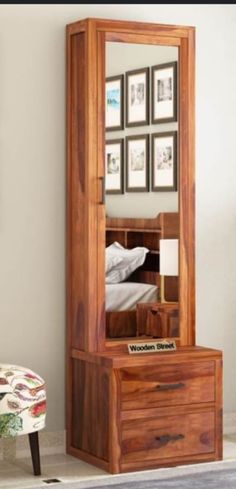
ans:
x=32 y=181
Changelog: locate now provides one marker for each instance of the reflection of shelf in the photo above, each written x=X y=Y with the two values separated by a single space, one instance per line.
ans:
x=133 y=232
x=156 y=231
x=130 y=238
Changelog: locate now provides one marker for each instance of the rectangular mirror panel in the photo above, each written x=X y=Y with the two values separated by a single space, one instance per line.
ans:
x=142 y=190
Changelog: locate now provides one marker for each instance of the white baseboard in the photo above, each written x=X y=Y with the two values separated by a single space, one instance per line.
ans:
x=229 y=423
x=50 y=442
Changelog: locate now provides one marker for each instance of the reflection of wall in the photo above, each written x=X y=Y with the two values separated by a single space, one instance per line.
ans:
x=122 y=57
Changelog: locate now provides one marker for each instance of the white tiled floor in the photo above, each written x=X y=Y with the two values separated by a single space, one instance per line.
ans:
x=18 y=475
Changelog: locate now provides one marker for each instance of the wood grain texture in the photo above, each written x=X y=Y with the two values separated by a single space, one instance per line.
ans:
x=142 y=39
x=114 y=422
x=219 y=410
x=88 y=458
x=76 y=27
x=132 y=418
x=159 y=320
x=90 y=409
x=164 y=220
x=120 y=324
x=101 y=315
x=187 y=188
x=130 y=412
x=149 y=323
x=117 y=359
x=167 y=462
x=167 y=385
x=69 y=311
x=84 y=214
x=143 y=28
x=77 y=241
x=161 y=412
x=91 y=255
x=137 y=28
x=171 y=436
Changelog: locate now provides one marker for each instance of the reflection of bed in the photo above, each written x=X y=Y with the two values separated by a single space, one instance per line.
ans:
x=144 y=283
x=121 y=306
x=125 y=295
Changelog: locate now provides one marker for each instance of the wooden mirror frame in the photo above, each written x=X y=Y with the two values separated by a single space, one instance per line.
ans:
x=85 y=175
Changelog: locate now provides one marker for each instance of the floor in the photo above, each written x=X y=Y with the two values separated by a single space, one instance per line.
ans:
x=18 y=475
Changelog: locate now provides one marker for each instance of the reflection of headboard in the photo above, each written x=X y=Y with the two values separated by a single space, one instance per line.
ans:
x=131 y=232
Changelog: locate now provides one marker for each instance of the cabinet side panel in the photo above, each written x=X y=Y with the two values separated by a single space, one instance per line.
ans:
x=219 y=409
x=187 y=189
x=90 y=409
x=76 y=193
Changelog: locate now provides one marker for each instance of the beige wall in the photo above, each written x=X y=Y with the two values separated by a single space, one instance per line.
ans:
x=32 y=181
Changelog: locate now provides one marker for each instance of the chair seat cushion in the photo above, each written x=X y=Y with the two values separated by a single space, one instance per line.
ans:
x=22 y=401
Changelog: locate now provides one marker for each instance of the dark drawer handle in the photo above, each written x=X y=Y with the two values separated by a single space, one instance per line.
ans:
x=103 y=190
x=169 y=387
x=167 y=438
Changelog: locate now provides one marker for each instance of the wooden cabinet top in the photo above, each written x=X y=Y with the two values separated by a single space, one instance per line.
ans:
x=117 y=359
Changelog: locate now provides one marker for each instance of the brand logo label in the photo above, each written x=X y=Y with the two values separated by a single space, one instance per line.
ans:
x=152 y=347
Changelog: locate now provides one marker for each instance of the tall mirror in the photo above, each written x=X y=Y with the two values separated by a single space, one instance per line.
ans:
x=142 y=191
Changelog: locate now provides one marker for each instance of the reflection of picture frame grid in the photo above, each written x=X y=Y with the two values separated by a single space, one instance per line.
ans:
x=114 y=165
x=164 y=161
x=137 y=97
x=137 y=163
x=114 y=102
x=164 y=93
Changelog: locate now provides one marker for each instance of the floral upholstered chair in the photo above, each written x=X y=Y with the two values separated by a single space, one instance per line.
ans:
x=22 y=406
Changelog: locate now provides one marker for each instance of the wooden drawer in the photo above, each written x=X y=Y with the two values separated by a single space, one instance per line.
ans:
x=166 y=385
x=167 y=437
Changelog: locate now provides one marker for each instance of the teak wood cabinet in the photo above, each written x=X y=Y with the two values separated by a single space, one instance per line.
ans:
x=146 y=411
x=130 y=412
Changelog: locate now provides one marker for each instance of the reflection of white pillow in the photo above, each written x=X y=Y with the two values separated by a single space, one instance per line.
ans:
x=112 y=261
x=131 y=259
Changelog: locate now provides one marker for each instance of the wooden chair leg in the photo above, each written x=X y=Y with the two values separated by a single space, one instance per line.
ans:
x=34 y=448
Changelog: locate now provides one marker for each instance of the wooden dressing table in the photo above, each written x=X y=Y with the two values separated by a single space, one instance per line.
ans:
x=144 y=411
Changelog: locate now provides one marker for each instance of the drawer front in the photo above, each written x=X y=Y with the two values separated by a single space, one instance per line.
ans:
x=167 y=385
x=167 y=437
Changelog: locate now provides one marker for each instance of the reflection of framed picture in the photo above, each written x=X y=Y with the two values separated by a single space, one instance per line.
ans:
x=164 y=161
x=114 y=100
x=137 y=163
x=114 y=165
x=137 y=97
x=164 y=93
